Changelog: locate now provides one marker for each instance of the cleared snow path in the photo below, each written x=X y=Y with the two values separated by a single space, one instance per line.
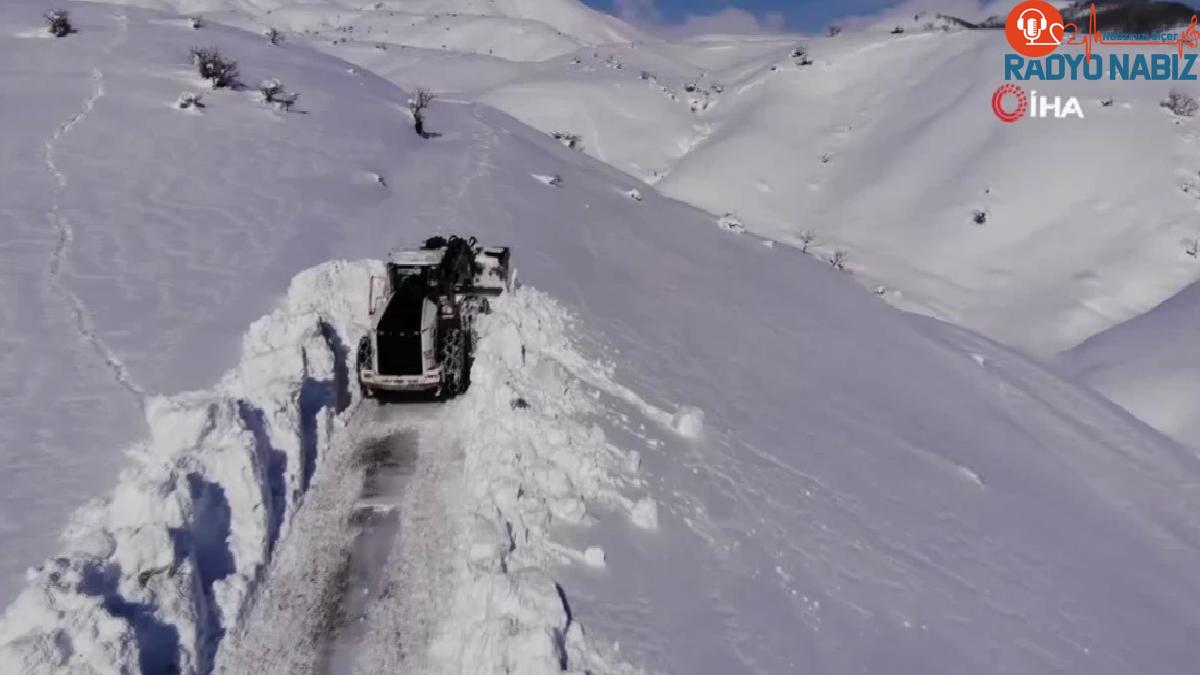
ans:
x=429 y=543
x=310 y=615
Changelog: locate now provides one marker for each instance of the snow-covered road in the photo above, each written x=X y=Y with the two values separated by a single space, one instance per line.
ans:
x=424 y=544
x=353 y=586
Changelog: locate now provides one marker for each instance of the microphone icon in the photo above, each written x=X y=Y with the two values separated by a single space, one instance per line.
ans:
x=1030 y=27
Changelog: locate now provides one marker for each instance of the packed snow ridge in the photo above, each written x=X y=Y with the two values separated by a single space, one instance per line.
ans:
x=152 y=577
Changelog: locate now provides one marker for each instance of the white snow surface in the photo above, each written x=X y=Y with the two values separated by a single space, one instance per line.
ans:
x=1150 y=366
x=884 y=146
x=780 y=472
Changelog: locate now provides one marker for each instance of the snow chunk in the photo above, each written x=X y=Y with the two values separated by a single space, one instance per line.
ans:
x=689 y=422
x=552 y=181
x=594 y=556
x=645 y=514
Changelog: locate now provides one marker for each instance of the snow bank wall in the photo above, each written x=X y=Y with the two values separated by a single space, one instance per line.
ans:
x=149 y=577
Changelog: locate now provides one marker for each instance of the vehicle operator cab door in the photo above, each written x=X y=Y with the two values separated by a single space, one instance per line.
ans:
x=429 y=323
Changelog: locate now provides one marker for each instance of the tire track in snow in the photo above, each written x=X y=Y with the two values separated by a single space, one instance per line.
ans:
x=66 y=234
x=478 y=165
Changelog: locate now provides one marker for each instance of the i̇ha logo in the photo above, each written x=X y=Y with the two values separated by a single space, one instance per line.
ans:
x=1010 y=103
x=1034 y=28
x=1004 y=110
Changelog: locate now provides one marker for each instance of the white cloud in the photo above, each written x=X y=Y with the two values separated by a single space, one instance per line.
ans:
x=647 y=15
x=730 y=20
x=971 y=10
x=639 y=12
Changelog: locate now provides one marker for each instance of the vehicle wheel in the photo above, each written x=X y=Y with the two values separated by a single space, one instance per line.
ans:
x=363 y=358
x=454 y=362
x=364 y=352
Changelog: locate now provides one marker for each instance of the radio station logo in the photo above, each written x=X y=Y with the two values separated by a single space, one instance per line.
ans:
x=1046 y=47
x=1034 y=29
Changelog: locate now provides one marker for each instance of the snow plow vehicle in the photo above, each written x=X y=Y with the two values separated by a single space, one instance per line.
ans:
x=423 y=315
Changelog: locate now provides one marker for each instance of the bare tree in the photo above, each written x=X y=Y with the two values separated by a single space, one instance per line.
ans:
x=807 y=237
x=417 y=105
x=1181 y=103
x=839 y=259
x=222 y=72
x=59 y=23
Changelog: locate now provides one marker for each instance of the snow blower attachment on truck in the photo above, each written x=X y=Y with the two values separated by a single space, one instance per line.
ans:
x=423 y=316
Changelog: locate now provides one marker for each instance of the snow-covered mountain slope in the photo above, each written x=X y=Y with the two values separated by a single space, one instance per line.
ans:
x=521 y=30
x=838 y=486
x=1150 y=365
x=886 y=146
x=855 y=149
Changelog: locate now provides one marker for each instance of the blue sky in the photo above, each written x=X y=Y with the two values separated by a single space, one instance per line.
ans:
x=795 y=14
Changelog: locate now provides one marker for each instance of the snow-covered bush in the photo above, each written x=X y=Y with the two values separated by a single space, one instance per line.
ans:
x=572 y=141
x=417 y=105
x=274 y=36
x=800 y=54
x=839 y=259
x=1106 y=102
x=979 y=217
x=273 y=92
x=898 y=30
x=189 y=100
x=635 y=194
x=221 y=72
x=807 y=237
x=196 y=22
x=1193 y=247
x=1181 y=103
x=58 y=22
x=826 y=157
x=731 y=223
x=834 y=31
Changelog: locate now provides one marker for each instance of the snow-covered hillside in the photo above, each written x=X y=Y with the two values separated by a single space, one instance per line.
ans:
x=853 y=147
x=521 y=30
x=886 y=146
x=1150 y=366
x=686 y=450
x=882 y=146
